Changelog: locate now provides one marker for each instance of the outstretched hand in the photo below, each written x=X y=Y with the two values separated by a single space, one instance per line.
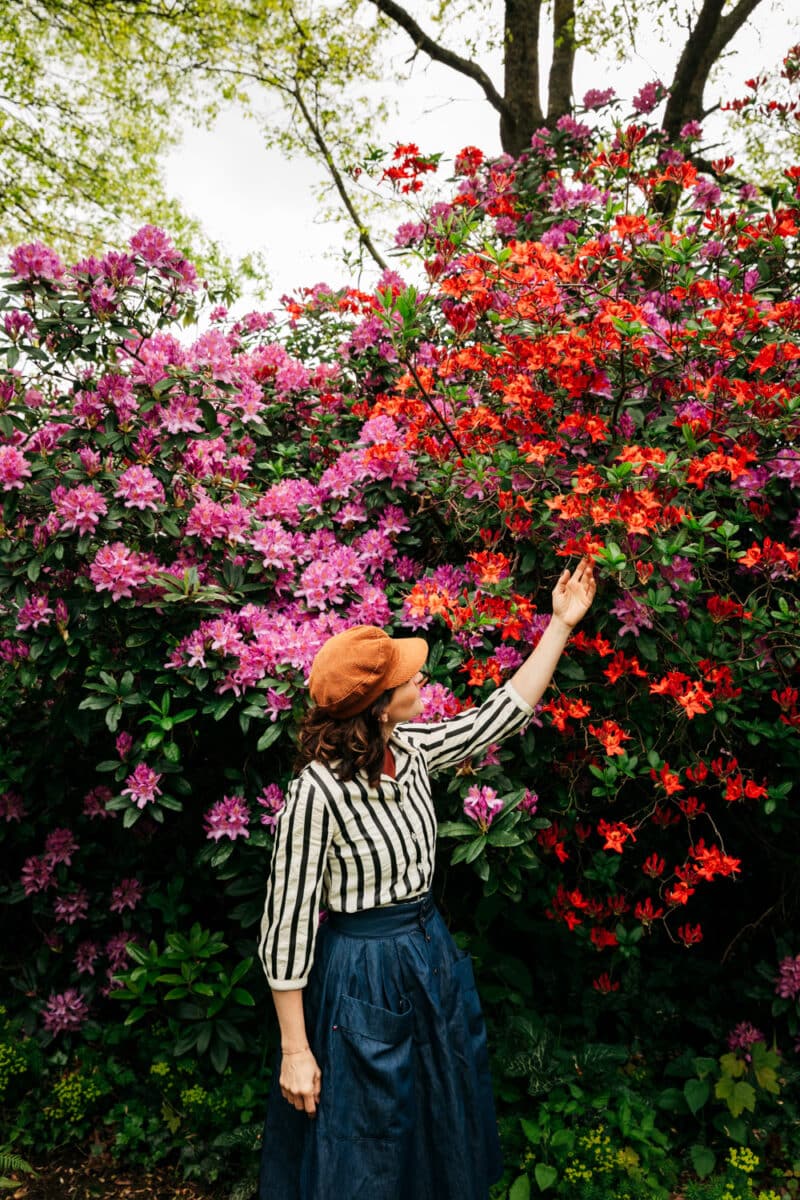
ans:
x=574 y=593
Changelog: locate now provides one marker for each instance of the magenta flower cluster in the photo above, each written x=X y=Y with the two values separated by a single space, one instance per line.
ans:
x=228 y=818
x=787 y=983
x=482 y=805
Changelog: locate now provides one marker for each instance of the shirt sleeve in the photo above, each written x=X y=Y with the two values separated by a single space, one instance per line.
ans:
x=447 y=743
x=291 y=911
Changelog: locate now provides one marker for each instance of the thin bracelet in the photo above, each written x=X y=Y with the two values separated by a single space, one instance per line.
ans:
x=289 y=1053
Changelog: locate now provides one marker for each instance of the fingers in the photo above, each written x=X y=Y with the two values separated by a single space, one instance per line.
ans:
x=307 y=1104
x=304 y=1099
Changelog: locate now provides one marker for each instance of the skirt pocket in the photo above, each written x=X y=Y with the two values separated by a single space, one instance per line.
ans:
x=370 y=1072
x=465 y=979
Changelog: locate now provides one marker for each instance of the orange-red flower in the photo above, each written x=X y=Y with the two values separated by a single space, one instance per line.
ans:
x=605 y=984
x=616 y=834
x=602 y=938
x=610 y=736
x=646 y=913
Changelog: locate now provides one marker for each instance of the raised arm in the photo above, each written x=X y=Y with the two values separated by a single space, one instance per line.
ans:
x=572 y=597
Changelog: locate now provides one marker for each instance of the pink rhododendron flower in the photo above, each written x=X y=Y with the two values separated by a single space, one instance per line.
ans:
x=12 y=650
x=85 y=957
x=117 y=952
x=94 y=802
x=272 y=801
x=126 y=894
x=139 y=488
x=153 y=245
x=37 y=874
x=181 y=414
x=12 y=806
x=529 y=802
x=648 y=97
x=124 y=745
x=102 y=300
x=706 y=194
x=142 y=785
x=119 y=269
x=275 y=703
x=65 y=1012
x=788 y=979
x=71 y=906
x=285 y=499
x=36 y=261
x=212 y=354
x=209 y=519
x=17 y=323
x=80 y=508
x=438 y=702
x=228 y=818
x=597 y=98
x=275 y=545
x=742 y=1036
x=117 y=569
x=59 y=847
x=482 y=805
x=35 y=611
x=633 y=614
x=352 y=513
x=14 y=468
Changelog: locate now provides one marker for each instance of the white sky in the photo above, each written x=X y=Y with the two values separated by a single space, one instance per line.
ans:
x=251 y=198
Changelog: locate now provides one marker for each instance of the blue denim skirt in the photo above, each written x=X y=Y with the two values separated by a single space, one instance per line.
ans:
x=406 y=1111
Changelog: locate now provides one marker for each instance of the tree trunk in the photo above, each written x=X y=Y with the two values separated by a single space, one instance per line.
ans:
x=523 y=114
x=705 y=44
x=559 y=90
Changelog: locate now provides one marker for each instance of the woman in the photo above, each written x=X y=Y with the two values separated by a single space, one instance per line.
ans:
x=382 y=1090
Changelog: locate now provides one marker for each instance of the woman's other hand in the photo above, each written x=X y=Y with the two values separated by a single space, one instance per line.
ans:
x=574 y=593
x=301 y=1081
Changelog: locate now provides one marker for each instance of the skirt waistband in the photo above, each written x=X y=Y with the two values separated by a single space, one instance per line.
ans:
x=390 y=920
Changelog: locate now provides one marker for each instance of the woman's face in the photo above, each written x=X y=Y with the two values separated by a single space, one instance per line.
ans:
x=405 y=703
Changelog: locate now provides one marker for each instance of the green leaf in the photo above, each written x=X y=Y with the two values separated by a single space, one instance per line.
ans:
x=737 y=1094
x=113 y=715
x=531 y=1130
x=498 y=837
x=270 y=735
x=475 y=848
x=219 y=1055
x=520 y=1188
x=545 y=1176
x=696 y=1092
x=456 y=829
x=703 y=1160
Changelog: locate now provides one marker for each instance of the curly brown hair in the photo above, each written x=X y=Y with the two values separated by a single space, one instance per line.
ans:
x=349 y=745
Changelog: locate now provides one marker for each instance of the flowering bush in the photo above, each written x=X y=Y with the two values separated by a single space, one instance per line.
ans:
x=604 y=359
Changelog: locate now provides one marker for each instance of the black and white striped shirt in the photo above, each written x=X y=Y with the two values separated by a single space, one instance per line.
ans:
x=349 y=846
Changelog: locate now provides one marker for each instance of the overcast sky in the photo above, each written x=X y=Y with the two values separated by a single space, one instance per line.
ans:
x=251 y=198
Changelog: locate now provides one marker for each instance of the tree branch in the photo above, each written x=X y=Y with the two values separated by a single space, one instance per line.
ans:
x=705 y=43
x=559 y=87
x=730 y=25
x=336 y=175
x=464 y=66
